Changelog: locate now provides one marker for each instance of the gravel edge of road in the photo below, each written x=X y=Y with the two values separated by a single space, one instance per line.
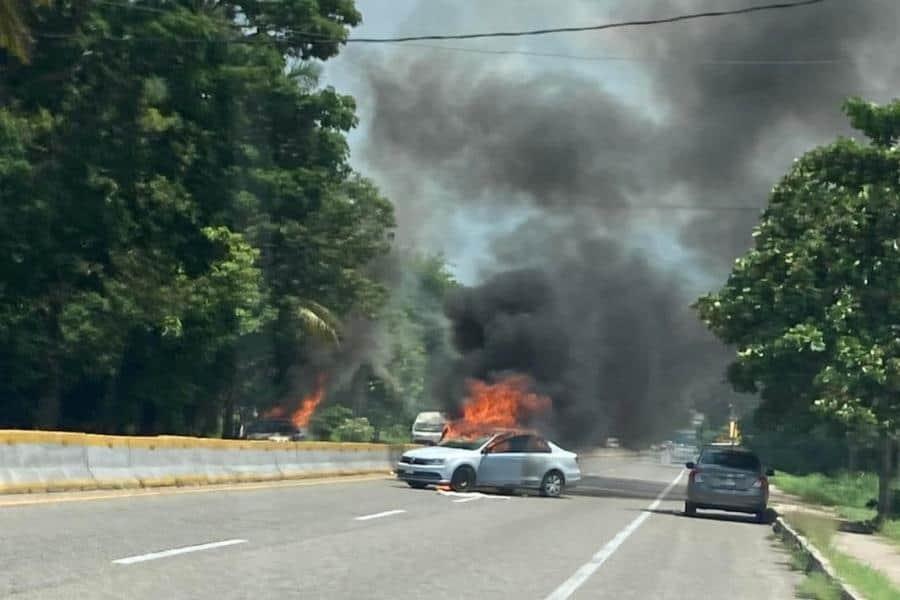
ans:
x=817 y=561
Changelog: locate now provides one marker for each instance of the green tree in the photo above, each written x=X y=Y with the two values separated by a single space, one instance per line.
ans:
x=176 y=211
x=407 y=342
x=325 y=422
x=814 y=307
x=417 y=332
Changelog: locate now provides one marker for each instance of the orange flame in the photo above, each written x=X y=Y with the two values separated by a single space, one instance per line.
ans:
x=308 y=405
x=506 y=404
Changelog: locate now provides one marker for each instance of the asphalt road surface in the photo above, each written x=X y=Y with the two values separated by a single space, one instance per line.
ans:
x=621 y=536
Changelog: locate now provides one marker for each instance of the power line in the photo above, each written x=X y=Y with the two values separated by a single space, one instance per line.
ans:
x=616 y=25
x=314 y=37
x=509 y=52
x=680 y=207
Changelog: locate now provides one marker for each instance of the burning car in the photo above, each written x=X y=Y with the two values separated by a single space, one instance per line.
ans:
x=278 y=425
x=275 y=430
x=509 y=460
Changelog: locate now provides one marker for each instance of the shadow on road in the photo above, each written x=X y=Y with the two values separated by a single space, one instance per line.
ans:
x=864 y=527
x=769 y=518
x=602 y=487
x=614 y=487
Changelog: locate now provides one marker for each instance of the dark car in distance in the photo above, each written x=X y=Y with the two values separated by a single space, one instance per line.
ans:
x=276 y=430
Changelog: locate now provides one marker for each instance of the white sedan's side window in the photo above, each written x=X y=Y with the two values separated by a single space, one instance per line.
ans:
x=512 y=445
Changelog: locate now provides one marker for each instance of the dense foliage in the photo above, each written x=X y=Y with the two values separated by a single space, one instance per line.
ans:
x=180 y=229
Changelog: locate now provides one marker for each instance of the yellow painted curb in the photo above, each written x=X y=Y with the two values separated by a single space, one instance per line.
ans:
x=67 y=438
x=74 y=484
x=157 y=481
x=182 y=480
x=114 y=484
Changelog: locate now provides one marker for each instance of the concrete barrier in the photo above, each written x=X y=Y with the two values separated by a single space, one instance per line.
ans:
x=161 y=466
x=34 y=461
x=109 y=461
x=345 y=459
x=253 y=464
x=215 y=466
x=290 y=465
x=43 y=461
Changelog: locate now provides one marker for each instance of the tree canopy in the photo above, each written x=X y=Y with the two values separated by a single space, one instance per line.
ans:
x=177 y=211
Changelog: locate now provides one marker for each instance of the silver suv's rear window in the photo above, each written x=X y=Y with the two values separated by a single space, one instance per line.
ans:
x=743 y=461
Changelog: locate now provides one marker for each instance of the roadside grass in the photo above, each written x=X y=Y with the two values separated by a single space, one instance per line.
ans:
x=891 y=530
x=394 y=440
x=847 y=493
x=817 y=586
x=820 y=530
x=845 y=489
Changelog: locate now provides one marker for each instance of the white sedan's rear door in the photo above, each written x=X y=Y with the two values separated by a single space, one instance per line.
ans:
x=537 y=461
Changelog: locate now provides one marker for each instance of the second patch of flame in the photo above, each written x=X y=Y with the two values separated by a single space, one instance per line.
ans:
x=310 y=402
x=505 y=404
x=300 y=417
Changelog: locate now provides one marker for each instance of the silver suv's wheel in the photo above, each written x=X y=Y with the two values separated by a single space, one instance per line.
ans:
x=552 y=484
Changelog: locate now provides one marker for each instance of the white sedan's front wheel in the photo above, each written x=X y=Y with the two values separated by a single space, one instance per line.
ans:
x=552 y=484
x=463 y=479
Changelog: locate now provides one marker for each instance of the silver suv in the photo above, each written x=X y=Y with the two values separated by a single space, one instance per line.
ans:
x=429 y=428
x=728 y=478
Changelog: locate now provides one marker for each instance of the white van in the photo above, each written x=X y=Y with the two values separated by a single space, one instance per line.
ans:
x=428 y=427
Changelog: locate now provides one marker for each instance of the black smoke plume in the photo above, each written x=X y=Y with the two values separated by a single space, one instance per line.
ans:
x=633 y=202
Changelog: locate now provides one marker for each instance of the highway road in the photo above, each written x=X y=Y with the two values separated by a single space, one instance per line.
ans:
x=621 y=536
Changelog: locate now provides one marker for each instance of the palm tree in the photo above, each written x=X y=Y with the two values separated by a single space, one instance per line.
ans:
x=14 y=34
x=318 y=321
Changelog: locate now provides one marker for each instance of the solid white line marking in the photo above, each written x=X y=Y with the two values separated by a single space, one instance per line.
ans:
x=469 y=496
x=130 y=560
x=457 y=494
x=386 y=513
x=459 y=500
x=574 y=582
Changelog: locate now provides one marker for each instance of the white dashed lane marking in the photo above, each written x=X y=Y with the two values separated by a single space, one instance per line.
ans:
x=379 y=515
x=130 y=560
x=568 y=587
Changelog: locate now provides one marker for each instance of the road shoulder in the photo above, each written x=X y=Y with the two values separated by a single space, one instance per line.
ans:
x=864 y=562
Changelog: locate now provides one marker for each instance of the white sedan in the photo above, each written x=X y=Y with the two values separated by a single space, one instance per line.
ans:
x=505 y=460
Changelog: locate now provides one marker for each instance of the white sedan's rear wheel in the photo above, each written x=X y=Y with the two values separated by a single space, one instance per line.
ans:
x=552 y=484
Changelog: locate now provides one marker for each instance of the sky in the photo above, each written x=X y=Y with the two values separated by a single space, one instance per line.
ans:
x=464 y=235
x=434 y=218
